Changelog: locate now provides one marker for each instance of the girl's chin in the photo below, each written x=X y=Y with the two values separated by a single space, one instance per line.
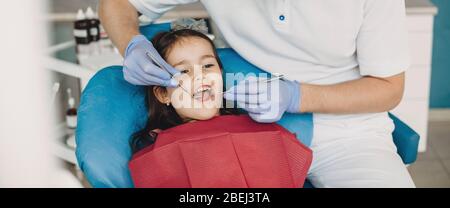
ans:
x=206 y=114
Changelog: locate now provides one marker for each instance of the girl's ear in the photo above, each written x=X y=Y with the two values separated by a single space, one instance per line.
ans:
x=161 y=94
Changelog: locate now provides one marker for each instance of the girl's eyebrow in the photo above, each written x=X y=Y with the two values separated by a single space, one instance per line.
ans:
x=201 y=58
x=207 y=56
x=180 y=63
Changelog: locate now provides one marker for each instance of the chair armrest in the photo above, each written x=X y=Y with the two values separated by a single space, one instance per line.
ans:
x=406 y=140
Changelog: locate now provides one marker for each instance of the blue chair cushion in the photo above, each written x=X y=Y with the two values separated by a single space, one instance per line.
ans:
x=406 y=140
x=110 y=111
x=151 y=30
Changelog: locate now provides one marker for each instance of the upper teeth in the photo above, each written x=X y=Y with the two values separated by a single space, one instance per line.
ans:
x=201 y=89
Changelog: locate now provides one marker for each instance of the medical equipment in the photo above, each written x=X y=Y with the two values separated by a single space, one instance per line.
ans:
x=81 y=34
x=274 y=77
x=94 y=31
x=266 y=103
x=105 y=45
x=155 y=60
x=71 y=113
x=55 y=90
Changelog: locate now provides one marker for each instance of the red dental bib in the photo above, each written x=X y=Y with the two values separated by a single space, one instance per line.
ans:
x=226 y=151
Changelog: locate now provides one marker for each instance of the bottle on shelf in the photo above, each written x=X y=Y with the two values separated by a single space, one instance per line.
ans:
x=94 y=31
x=71 y=113
x=81 y=34
x=105 y=44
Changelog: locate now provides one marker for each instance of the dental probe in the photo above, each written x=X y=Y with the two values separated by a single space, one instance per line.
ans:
x=274 y=78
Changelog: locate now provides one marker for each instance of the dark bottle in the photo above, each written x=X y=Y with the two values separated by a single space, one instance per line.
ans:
x=94 y=31
x=81 y=34
x=71 y=114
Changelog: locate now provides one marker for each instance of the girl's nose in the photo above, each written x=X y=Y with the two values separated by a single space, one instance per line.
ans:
x=200 y=77
x=199 y=73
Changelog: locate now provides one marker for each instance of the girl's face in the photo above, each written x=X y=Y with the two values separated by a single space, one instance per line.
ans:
x=199 y=96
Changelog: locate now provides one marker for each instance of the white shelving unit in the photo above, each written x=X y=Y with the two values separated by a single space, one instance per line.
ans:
x=60 y=148
x=84 y=71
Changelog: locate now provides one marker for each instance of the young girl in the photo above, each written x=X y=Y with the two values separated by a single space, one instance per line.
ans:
x=202 y=99
x=190 y=141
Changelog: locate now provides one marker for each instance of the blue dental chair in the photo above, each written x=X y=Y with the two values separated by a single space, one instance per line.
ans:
x=111 y=110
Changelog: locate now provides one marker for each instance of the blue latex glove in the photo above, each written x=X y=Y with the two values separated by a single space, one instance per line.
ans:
x=266 y=102
x=139 y=69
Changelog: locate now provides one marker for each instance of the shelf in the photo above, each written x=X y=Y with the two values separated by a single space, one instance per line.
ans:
x=59 y=146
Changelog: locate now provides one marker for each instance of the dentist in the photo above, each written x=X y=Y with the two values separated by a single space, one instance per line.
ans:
x=346 y=58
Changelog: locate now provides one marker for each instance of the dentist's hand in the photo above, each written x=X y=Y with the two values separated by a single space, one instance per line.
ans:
x=139 y=69
x=266 y=102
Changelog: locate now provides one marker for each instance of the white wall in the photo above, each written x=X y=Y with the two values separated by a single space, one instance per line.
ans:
x=25 y=130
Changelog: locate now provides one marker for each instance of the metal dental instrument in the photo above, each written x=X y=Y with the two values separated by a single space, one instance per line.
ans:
x=273 y=78
x=161 y=66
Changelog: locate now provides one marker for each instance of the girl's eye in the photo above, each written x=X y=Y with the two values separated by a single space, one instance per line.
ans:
x=185 y=71
x=208 y=66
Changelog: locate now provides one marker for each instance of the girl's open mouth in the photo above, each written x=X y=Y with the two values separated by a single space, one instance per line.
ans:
x=203 y=93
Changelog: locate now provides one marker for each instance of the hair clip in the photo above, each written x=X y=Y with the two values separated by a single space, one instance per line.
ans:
x=190 y=23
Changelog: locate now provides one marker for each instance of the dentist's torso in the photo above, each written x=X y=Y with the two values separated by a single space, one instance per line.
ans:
x=312 y=41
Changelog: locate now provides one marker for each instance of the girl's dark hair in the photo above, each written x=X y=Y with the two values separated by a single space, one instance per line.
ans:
x=160 y=115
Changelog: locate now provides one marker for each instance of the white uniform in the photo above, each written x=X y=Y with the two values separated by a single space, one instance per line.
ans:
x=323 y=42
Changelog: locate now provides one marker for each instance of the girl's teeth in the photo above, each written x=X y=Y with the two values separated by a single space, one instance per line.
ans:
x=203 y=89
x=203 y=94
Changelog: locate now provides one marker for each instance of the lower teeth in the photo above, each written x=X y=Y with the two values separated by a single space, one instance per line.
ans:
x=203 y=94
